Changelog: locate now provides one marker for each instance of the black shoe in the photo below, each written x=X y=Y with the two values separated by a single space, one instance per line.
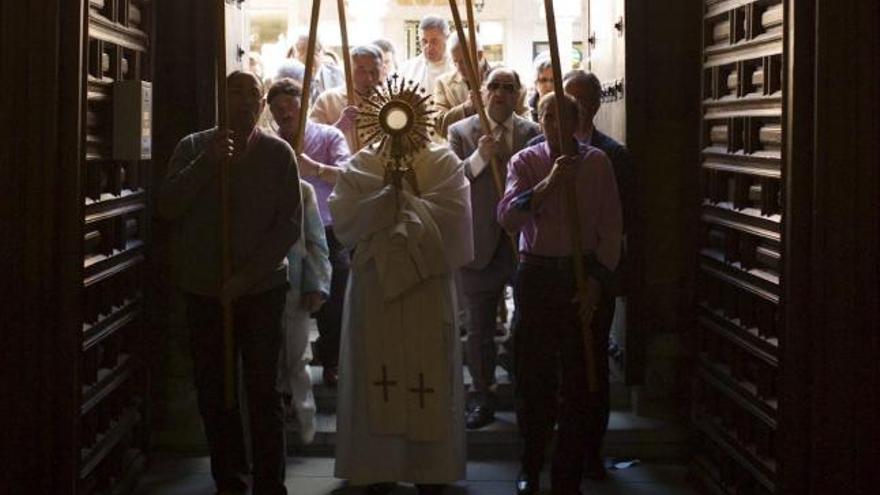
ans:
x=330 y=376
x=595 y=469
x=380 y=488
x=430 y=489
x=479 y=417
x=596 y=473
x=527 y=484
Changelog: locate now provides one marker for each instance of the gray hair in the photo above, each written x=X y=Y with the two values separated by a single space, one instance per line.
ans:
x=453 y=42
x=385 y=45
x=541 y=63
x=291 y=68
x=367 y=51
x=434 y=22
x=304 y=38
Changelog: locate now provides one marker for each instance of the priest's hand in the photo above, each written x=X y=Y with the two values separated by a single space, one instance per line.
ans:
x=348 y=119
x=312 y=301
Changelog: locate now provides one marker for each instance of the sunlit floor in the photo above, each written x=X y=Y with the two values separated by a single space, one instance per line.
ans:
x=173 y=475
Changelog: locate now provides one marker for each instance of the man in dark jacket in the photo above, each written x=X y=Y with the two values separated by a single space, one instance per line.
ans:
x=265 y=220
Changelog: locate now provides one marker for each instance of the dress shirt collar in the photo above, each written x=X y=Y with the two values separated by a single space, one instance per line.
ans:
x=508 y=124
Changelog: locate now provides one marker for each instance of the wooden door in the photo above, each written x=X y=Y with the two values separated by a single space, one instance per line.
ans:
x=605 y=55
x=735 y=406
x=113 y=373
x=606 y=48
x=236 y=44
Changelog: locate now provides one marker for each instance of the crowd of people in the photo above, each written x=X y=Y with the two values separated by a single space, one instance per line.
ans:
x=386 y=271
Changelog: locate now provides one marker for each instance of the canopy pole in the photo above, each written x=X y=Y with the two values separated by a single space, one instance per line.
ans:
x=307 y=78
x=472 y=31
x=569 y=147
x=226 y=255
x=478 y=101
x=346 y=58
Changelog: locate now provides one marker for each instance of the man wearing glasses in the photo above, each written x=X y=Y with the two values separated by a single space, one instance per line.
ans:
x=434 y=59
x=484 y=278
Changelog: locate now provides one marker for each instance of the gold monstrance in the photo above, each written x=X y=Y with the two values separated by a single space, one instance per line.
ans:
x=396 y=116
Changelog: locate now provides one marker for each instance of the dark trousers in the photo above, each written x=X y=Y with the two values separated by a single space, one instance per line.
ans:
x=551 y=375
x=329 y=317
x=257 y=331
x=483 y=289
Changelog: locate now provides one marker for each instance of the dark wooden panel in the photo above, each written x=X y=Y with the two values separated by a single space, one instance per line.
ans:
x=741 y=255
x=40 y=120
x=833 y=393
x=116 y=241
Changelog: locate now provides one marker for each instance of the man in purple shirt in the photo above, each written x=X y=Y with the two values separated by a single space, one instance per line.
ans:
x=324 y=152
x=548 y=331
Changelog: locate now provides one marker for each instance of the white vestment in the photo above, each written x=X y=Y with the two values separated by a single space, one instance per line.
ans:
x=308 y=270
x=425 y=72
x=401 y=405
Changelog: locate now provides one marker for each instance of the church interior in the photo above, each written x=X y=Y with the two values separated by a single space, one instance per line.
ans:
x=745 y=353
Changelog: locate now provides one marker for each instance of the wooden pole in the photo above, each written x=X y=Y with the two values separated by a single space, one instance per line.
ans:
x=470 y=75
x=472 y=81
x=307 y=78
x=569 y=147
x=346 y=58
x=472 y=31
x=226 y=254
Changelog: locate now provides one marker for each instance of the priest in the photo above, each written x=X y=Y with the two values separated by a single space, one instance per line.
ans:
x=400 y=392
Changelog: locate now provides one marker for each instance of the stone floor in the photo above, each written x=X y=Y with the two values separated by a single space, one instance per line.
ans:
x=175 y=475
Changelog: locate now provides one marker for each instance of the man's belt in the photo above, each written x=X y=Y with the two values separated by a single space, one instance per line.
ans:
x=566 y=264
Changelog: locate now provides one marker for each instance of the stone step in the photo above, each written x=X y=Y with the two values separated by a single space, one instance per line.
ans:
x=628 y=436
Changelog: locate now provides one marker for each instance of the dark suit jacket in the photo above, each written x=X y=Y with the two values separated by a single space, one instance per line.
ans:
x=463 y=138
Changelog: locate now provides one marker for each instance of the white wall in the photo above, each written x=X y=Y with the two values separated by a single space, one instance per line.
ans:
x=522 y=20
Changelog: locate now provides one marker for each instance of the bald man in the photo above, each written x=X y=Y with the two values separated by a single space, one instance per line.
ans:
x=265 y=221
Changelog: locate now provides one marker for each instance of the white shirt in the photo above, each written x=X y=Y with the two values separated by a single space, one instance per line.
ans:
x=476 y=161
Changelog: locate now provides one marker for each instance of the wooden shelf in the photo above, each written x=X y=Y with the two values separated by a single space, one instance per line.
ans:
x=123 y=426
x=742 y=221
x=125 y=203
x=116 y=263
x=107 y=326
x=766 y=45
x=759 y=165
x=766 y=350
x=112 y=380
x=762 y=471
x=760 y=409
x=101 y=28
